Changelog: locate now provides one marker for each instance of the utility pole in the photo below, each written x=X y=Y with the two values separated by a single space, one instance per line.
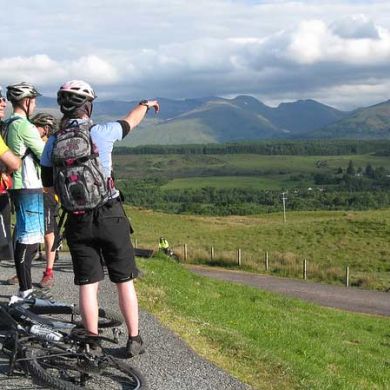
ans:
x=284 y=206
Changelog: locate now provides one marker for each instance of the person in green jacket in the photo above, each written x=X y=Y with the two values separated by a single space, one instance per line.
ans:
x=8 y=163
x=24 y=140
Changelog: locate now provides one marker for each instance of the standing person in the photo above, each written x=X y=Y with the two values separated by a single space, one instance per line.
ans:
x=163 y=245
x=8 y=163
x=47 y=125
x=24 y=140
x=103 y=232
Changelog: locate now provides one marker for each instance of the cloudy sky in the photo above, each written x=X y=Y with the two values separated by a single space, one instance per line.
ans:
x=337 y=52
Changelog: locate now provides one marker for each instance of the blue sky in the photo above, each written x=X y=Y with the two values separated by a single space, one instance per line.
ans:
x=337 y=52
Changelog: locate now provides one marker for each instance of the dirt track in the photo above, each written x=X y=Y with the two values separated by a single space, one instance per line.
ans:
x=352 y=299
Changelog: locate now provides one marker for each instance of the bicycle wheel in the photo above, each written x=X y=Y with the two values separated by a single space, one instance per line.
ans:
x=107 y=318
x=71 y=371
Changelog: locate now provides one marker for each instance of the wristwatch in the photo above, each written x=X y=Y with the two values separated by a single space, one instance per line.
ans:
x=144 y=103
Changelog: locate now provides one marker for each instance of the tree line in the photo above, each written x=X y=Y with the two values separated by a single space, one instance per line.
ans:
x=299 y=148
x=343 y=190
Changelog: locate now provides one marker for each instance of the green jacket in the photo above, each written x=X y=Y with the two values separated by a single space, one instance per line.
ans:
x=24 y=140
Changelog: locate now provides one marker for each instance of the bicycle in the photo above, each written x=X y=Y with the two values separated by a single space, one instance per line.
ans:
x=58 y=352
x=170 y=253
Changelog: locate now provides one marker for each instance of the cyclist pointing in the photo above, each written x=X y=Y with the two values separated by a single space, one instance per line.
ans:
x=102 y=233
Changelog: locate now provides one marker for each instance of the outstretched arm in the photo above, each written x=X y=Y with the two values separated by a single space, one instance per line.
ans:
x=137 y=114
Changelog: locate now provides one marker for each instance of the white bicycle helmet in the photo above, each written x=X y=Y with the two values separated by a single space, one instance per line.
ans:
x=19 y=91
x=74 y=94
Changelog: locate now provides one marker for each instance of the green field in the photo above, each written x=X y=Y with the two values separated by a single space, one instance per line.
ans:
x=169 y=164
x=219 y=182
x=239 y=170
x=267 y=340
x=329 y=241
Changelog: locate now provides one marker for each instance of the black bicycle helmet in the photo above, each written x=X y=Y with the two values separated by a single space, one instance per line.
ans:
x=19 y=91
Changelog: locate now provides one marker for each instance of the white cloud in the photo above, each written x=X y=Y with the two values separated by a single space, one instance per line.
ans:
x=41 y=69
x=273 y=50
x=355 y=27
x=36 y=69
x=92 y=68
x=314 y=41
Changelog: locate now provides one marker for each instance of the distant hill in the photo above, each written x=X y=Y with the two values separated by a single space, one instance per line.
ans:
x=243 y=118
x=365 y=123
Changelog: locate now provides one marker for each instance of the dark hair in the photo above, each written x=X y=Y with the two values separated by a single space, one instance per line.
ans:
x=77 y=113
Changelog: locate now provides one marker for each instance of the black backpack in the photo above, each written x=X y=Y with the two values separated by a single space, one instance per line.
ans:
x=78 y=175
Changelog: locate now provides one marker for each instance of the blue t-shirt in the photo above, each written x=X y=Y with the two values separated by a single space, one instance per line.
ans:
x=102 y=135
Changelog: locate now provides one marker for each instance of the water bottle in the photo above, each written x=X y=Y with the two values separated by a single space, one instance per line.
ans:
x=45 y=333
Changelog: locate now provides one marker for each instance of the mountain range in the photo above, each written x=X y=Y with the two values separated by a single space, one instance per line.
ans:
x=243 y=118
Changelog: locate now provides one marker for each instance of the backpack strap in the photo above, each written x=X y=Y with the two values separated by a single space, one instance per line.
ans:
x=5 y=127
x=58 y=236
x=29 y=152
x=72 y=161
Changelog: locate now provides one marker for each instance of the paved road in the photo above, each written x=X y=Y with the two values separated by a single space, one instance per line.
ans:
x=168 y=364
x=352 y=299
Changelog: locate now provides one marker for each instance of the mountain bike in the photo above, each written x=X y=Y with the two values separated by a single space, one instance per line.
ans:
x=56 y=351
x=170 y=253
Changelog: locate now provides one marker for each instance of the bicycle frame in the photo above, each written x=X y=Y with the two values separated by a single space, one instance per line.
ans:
x=36 y=352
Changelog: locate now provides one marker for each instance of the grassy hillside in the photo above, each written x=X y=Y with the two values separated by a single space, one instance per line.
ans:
x=371 y=122
x=328 y=240
x=267 y=340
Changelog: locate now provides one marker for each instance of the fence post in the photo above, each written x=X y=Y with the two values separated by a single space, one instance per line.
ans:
x=212 y=253
x=136 y=243
x=266 y=261
x=239 y=256
x=347 y=276
x=304 y=269
x=185 y=252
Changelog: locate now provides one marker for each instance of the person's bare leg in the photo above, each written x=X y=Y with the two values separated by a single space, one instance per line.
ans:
x=89 y=306
x=128 y=304
x=50 y=256
x=48 y=276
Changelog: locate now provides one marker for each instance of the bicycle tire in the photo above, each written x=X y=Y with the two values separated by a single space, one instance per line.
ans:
x=107 y=318
x=68 y=372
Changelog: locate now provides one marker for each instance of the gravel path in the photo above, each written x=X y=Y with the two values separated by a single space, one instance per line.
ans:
x=168 y=363
x=352 y=299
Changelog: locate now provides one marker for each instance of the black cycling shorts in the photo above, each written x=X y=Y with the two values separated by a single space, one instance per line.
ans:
x=51 y=211
x=6 y=244
x=98 y=237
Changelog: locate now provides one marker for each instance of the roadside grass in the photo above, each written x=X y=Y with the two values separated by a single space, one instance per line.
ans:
x=328 y=240
x=267 y=340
